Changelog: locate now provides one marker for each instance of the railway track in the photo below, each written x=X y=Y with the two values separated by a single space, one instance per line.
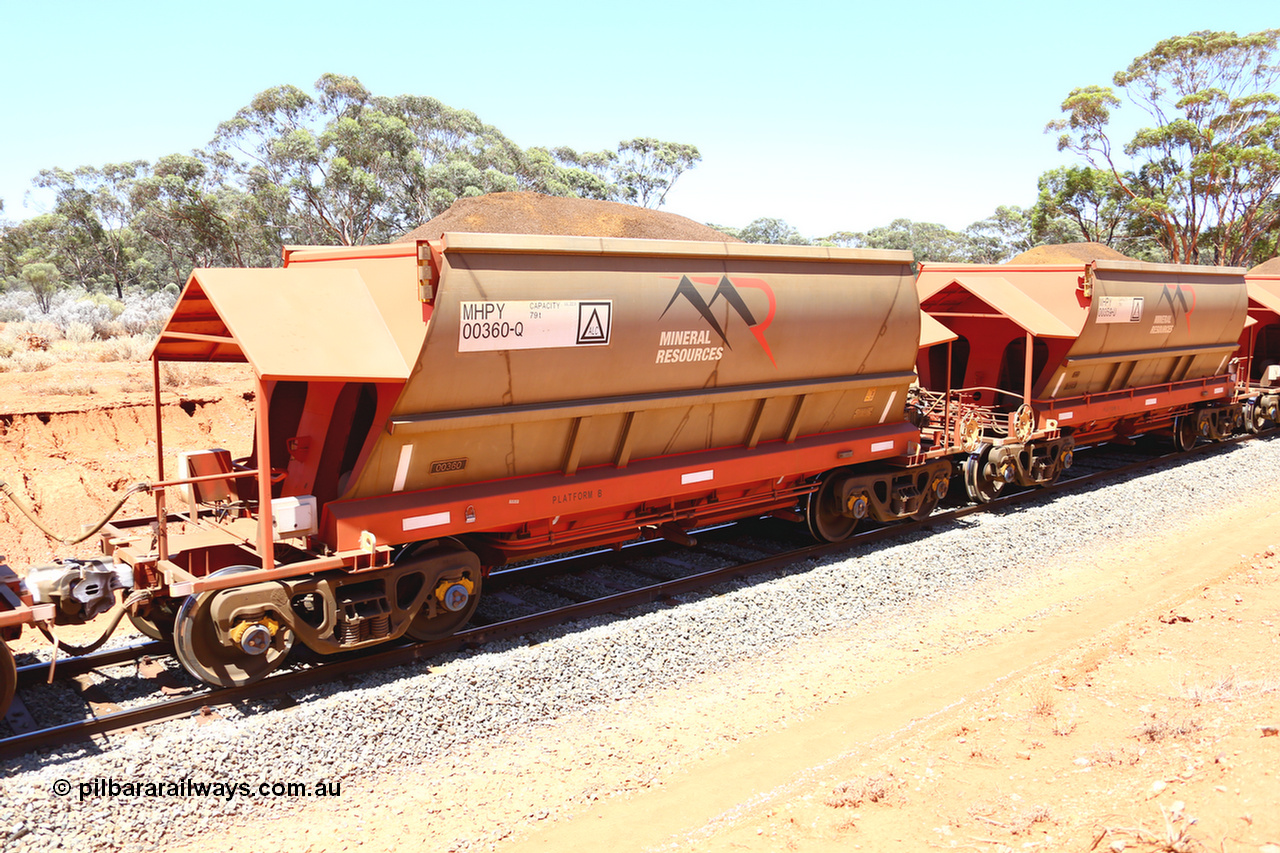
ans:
x=554 y=592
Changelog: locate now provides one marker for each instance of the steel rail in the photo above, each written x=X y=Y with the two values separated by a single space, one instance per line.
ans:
x=69 y=667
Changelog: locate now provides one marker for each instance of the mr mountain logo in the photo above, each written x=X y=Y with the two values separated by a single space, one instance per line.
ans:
x=1176 y=296
x=683 y=345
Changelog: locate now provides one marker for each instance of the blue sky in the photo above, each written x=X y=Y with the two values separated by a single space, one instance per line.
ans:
x=832 y=116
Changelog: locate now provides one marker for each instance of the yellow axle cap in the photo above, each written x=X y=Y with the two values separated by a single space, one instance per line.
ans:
x=237 y=632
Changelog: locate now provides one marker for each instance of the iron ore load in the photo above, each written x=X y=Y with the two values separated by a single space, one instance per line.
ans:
x=429 y=410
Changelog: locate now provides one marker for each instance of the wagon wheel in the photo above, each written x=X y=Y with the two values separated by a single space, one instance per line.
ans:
x=155 y=619
x=980 y=480
x=201 y=653
x=454 y=606
x=1184 y=433
x=825 y=516
x=8 y=677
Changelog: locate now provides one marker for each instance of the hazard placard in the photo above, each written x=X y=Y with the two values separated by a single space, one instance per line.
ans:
x=1120 y=309
x=593 y=322
x=513 y=324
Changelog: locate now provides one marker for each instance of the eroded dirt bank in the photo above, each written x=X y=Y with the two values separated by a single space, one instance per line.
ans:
x=71 y=456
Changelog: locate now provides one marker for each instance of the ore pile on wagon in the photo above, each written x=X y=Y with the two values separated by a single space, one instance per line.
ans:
x=429 y=410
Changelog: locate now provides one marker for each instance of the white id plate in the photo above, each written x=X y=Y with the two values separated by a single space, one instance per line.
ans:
x=511 y=324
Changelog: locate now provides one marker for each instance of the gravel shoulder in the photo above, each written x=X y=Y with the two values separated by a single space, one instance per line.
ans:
x=1023 y=677
x=1120 y=702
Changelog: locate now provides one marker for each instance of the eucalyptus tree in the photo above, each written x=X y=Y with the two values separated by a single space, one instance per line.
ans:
x=564 y=172
x=98 y=210
x=42 y=279
x=768 y=229
x=1204 y=174
x=324 y=168
x=453 y=155
x=647 y=168
x=195 y=219
x=927 y=241
x=1000 y=236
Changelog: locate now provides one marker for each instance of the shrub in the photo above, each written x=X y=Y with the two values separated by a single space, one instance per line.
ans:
x=79 y=333
x=27 y=362
x=127 y=348
x=89 y=310
x=146 y=313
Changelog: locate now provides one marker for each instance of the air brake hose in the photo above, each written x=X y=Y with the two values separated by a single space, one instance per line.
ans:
x=67 y=540
x=118 y=614
x=46 y=628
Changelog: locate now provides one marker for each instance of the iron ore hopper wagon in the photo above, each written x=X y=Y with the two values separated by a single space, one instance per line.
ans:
x=1260 y=353
x=1049 y=357
x=429 y=410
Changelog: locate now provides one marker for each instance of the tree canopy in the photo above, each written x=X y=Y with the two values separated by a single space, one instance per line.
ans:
x=1206 y=172
x=338 y=166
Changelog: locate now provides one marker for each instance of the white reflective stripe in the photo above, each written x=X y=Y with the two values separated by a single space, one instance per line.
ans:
x=402 y=469
x=878 y=446
x=1065 y=416
x=697 y=477
x=1151 y=401
x=1058 y=384
x=417 y=522
x=885 y=413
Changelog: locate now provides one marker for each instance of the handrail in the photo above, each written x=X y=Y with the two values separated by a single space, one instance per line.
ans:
x=277 y=476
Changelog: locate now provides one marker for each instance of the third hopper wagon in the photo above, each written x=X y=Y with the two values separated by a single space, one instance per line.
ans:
x=1260 y=352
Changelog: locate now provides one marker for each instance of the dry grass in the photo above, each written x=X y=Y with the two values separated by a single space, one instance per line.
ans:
x=1043 y=703
x=1227 y=687
x=79 y=333
x=186 y=376
x=1174 y=836
x=1156 y=729
x=67 y=388
x=1121 y=756
x=1018 y=823
x=881 y=788
x=27 y=361
x=1224 y=688
x=1024 y=821
x=129 y=348
x=135 y=385
x=1062 y=727
x=19 y=355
